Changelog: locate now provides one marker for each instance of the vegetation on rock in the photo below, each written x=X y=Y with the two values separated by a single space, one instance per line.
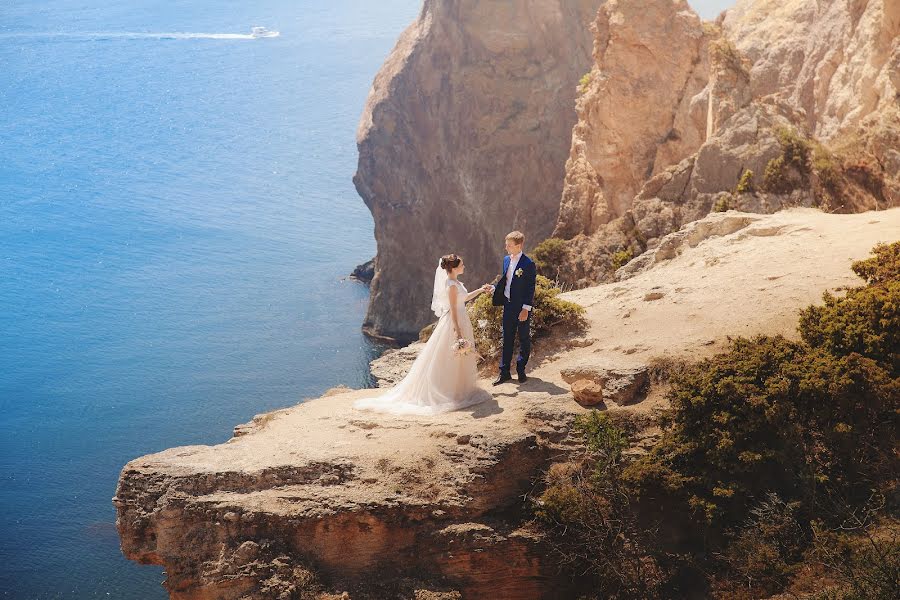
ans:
x=745 y=184
x=620 y=258
x=548 y=255
x=783 y=451
x=549 y=312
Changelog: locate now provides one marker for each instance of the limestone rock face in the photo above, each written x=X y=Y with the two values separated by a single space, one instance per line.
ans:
x=464 y=138
x=799 y=107
x=361 y=497
x=641 y=108
x=837 y=60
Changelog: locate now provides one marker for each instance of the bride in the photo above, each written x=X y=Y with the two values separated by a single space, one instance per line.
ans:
x=441 y=379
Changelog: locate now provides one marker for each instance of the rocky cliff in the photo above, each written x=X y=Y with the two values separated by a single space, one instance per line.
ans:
x=463 y=138
x=778 y=104
x=318 y=500
x=640 y=108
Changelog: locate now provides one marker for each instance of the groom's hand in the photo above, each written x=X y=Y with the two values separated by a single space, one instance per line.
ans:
x=523 y=314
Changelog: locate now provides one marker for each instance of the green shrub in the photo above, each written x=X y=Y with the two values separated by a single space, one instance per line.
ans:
x=620 y=258
x=826 y=168
x=604 y=440
x=771 y=415
x=763 y=552
x=863 y=555
x=882 y=267
x=425 y=332
x=867 y=319
x=549 y=312
x=721 y=204
x=774 y=415
x=584 y=82
x=770 y=443
x=776 y=179
x=588 y=521
x=790 y=170
x=548 y=256
x=745 y=184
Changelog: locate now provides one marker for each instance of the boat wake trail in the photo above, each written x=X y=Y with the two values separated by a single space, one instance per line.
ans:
x=256 y=33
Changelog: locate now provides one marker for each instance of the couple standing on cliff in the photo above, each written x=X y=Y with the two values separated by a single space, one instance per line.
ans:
x=443 y=378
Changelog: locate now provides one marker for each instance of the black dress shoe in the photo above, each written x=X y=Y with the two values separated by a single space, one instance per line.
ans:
x=522 y=378
x=502 y=378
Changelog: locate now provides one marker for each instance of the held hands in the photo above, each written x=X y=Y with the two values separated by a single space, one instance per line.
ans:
x=487 y=288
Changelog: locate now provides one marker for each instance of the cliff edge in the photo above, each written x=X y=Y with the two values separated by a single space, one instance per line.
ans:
x=318 y=500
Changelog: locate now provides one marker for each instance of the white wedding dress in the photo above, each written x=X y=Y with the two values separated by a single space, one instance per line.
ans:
x=439 y=380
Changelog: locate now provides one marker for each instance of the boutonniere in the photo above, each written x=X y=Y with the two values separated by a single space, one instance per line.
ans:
x=519 y=272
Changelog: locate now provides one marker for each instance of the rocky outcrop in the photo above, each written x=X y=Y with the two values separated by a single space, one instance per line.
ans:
x=640 y=108
x=800 y=108
x=349 y=494
x=593 y=383
x=463 y=138
x=317 y=499
x=364 y=272
x=838 y=61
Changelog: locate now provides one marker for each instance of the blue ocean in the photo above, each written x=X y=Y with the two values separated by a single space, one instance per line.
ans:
x=177 y=220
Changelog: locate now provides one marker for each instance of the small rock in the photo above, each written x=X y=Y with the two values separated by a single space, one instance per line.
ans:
x=653 y=296
x=231 y=517
x=247 y=551
x=463 y=439
x=587 y=392
x=364 y=272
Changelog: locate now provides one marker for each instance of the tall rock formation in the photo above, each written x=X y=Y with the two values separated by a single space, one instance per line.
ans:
x=640 y=108
x=778 y=104
x=463 y=138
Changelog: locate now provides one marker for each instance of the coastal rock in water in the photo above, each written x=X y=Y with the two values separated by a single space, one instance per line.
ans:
x=463 y=138
x=364 y=272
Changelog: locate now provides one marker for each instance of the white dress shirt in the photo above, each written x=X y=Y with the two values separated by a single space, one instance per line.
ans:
x=510 y=273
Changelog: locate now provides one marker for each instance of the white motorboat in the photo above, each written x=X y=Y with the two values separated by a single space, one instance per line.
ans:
x=262 y=32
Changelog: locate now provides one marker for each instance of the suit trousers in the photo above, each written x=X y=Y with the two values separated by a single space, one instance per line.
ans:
x=512 y=327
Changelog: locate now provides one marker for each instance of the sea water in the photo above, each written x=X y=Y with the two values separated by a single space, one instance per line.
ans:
x=177 y=219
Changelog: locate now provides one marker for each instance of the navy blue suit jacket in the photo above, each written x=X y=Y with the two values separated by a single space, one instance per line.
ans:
x=521 y=291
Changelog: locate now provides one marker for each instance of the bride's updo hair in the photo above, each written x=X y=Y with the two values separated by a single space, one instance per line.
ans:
x=450 y=262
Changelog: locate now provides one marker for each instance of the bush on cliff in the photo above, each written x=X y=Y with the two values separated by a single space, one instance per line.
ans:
x=548 y=255
x=589 y=524
x=762 y=444
x=550 y=311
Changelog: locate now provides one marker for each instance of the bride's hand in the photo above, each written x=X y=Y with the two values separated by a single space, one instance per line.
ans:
x=487 y=288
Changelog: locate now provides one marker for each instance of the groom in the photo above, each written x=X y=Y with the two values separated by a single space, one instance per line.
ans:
x=515 y=293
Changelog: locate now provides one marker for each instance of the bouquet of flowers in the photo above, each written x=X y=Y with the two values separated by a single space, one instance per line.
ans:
x=462 y=347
